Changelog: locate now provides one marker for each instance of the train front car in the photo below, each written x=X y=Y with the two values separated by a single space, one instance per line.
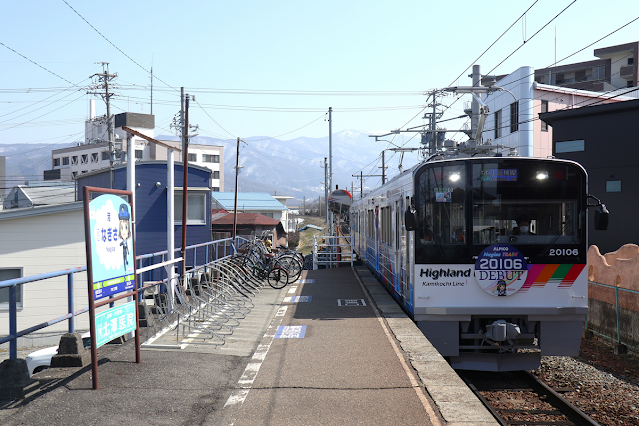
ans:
x=499 y=272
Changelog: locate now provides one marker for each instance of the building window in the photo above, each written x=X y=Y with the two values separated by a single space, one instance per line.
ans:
x=84 y=159
x=56 y=162
x=268 y=215
x=193 y=157
x=65 y=161
x=105 y=156
x=497 y=124
x=138 y=154
x=216 y=189
x=9 y=274
x=210 y=158
x=94 y=157
x=514 y=117
x=613 y=186
x=74 y=174
x=631 y=61
x=74 y=160
x=216 y=175
x=544 y=108
x=569 y=146
x=195 y=208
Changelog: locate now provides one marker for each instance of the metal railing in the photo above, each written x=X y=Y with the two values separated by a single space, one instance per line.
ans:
x=625 y=330
x=153 y=266
x=330 y=251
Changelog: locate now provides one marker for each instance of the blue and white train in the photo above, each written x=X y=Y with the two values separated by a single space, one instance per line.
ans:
x=486 y=254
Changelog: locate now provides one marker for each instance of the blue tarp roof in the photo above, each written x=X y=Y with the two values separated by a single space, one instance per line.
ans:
x=247 y=201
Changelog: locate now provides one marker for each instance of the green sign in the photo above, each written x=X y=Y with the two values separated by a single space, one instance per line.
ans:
x=114 y=322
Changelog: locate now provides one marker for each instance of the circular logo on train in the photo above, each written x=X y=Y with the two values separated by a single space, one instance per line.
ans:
x=501 y=270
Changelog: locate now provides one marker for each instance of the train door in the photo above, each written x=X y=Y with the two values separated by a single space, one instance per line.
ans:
x=397 y=257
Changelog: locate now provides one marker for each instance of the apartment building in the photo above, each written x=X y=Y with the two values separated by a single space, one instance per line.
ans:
x=94 y=154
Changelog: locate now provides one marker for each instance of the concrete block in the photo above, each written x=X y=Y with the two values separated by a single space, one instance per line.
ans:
x=14 y=379
x=146 y=320
x=620 y=349
x=71 y=352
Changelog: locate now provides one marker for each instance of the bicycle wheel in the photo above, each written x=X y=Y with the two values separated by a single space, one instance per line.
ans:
x=292 y=266
x=277 y=277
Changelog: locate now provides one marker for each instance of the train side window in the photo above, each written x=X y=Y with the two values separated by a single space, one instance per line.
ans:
x=441 y=216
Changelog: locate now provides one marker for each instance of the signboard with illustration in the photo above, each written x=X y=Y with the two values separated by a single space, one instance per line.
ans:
x=111 y=245
x=110 y=248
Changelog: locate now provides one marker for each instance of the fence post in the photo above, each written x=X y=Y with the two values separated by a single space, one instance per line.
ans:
x=70 y=302
x=13 y=323
x=617 y=312
x=314 y=254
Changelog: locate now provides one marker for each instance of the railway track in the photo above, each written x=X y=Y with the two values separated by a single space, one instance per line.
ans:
x=519 y=398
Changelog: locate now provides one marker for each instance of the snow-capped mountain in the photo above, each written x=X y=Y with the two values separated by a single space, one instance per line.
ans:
x=288 y=167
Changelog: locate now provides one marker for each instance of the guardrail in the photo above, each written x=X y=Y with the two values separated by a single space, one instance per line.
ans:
x=154 y=271
x=329 y=252
x=625 y=328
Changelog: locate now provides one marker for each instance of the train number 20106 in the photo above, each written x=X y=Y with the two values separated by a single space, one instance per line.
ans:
x=564 y=252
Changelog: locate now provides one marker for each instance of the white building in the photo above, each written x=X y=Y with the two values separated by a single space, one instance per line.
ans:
x=513 y=119
x=94 y=154
x=36 y=241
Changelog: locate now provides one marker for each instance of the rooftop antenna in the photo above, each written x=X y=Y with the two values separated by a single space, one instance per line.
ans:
x=151 y=84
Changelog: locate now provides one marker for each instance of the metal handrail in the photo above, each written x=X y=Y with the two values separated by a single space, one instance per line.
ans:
x=331 y=254
x=12 y=284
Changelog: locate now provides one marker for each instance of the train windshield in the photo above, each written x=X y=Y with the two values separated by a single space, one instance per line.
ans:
x=515 y=204
x=464 y=206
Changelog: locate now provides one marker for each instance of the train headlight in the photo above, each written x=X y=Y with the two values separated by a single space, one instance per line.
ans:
x=542 y=175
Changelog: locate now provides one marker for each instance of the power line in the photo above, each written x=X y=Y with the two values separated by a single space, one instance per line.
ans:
x=533 y=36
x=120 y=50
x=493 y=43
x=35 y=63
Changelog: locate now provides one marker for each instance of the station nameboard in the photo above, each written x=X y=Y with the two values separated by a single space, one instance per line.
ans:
x=111 y=246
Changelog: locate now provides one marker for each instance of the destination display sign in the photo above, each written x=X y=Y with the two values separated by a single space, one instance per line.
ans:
x=498 y=175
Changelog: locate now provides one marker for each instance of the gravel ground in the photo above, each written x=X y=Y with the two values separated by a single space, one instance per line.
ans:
x=602 y=384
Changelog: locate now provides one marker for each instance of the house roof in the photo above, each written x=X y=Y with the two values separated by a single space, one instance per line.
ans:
x=248 y=201
x=551 y=117
x=245 y=219
x=44 y=195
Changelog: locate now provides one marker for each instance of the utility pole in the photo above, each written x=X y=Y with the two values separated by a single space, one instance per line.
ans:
x=361 y=183
x=330 y=167
x=237 y=172
x=103 y=83
x=330 y=148
x=474 y=118
x=383 y=168
x=304 y=214
x=184 y=113
x=185 y=181
x=326 y=183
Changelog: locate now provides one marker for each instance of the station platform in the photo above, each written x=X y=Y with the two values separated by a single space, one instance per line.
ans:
x=331 y=349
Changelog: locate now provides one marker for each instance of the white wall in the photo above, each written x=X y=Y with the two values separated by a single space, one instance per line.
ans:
x=520 y=84
x=41 y=244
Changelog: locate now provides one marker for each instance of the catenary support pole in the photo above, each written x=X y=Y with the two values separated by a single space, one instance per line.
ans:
x=237 y=172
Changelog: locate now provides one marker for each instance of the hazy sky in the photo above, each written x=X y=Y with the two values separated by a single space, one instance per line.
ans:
x=273 y=68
